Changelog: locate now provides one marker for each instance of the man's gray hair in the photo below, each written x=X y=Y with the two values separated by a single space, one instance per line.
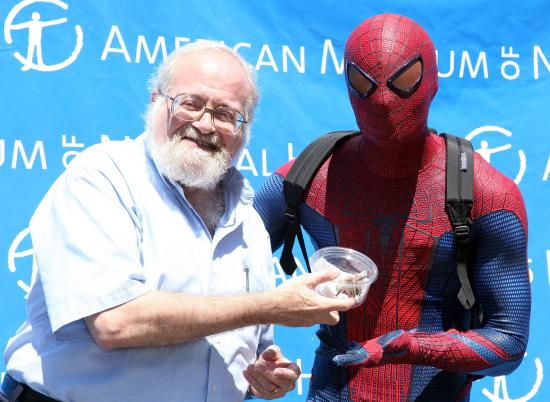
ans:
x=162 y=77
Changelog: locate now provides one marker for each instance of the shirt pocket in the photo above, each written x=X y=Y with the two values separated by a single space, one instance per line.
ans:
x=237 y=273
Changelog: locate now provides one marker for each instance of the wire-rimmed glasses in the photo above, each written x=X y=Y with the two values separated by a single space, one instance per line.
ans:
x=190 y=108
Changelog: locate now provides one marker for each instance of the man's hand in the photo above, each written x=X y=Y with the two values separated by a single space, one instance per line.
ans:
x=375 y=352
x=272 y=375
x=297 y=304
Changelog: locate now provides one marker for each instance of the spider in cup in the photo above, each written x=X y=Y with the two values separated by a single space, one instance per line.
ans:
x=350 y=284
x=346 y=284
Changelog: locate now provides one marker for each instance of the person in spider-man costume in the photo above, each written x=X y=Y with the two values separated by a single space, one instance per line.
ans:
x=383 y=193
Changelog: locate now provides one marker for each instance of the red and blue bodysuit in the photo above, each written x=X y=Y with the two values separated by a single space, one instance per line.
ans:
x=383 y=193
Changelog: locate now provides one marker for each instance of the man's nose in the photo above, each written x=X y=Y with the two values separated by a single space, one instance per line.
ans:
x=206 y=122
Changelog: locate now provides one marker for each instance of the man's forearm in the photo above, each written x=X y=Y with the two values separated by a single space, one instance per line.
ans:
x=164 y=318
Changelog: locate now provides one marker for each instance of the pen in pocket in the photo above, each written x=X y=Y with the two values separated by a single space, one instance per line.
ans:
x=246 y=270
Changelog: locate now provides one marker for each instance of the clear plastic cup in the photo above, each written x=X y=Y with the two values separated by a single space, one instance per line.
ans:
x=358 y=272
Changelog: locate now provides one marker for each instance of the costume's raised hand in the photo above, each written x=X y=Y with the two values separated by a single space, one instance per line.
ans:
x=272 y=375
x=388 y=348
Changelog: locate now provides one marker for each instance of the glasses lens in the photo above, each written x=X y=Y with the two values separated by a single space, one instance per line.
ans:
x=187 y=108
x=407 y=79
x=228 y=120
x=358 y=80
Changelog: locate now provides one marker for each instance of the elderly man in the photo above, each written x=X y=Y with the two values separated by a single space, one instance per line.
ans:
x=382 y=192
x=155 y=275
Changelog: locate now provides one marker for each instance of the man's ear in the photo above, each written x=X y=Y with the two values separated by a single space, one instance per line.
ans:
x=154 y=94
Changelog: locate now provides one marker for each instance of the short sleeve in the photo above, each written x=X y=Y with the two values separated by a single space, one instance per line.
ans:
x=86 y=236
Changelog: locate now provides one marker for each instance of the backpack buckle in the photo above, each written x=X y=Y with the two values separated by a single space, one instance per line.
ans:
x=462 y=233
x=291 y=215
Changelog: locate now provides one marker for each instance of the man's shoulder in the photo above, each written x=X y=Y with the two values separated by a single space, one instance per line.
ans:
x=106 y=154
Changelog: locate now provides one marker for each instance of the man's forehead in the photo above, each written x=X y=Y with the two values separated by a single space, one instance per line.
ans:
x=212 y=68
x=211 y=62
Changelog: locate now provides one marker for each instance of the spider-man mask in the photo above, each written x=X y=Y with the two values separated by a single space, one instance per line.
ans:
x=391 y=72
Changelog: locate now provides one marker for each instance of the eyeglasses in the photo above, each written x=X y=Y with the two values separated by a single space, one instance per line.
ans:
x=189 y=108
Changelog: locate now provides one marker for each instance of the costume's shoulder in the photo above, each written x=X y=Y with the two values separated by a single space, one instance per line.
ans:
x=285 y=168
x=319 y=177
x=493 y=191
x=344 y=149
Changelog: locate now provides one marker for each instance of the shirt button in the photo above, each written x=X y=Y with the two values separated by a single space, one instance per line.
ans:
x=213 y=388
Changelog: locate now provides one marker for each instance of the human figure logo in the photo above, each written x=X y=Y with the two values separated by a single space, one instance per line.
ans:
x=486 y=151
x=21 y=260
x=34 y=60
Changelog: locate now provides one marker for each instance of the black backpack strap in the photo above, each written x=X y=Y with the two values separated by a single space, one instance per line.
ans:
x=459 y=201
x=298 y=178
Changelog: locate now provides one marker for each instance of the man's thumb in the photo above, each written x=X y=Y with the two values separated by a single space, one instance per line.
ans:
x=272 y=353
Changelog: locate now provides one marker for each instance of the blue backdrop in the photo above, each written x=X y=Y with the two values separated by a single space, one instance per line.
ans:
x=74 y=73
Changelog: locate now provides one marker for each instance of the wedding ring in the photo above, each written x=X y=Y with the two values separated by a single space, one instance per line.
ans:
x=274 y=391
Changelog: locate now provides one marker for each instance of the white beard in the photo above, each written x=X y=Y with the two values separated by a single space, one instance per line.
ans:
x=190 y=165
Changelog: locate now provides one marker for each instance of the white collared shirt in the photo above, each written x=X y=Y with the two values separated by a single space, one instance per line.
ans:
x=109 y=230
